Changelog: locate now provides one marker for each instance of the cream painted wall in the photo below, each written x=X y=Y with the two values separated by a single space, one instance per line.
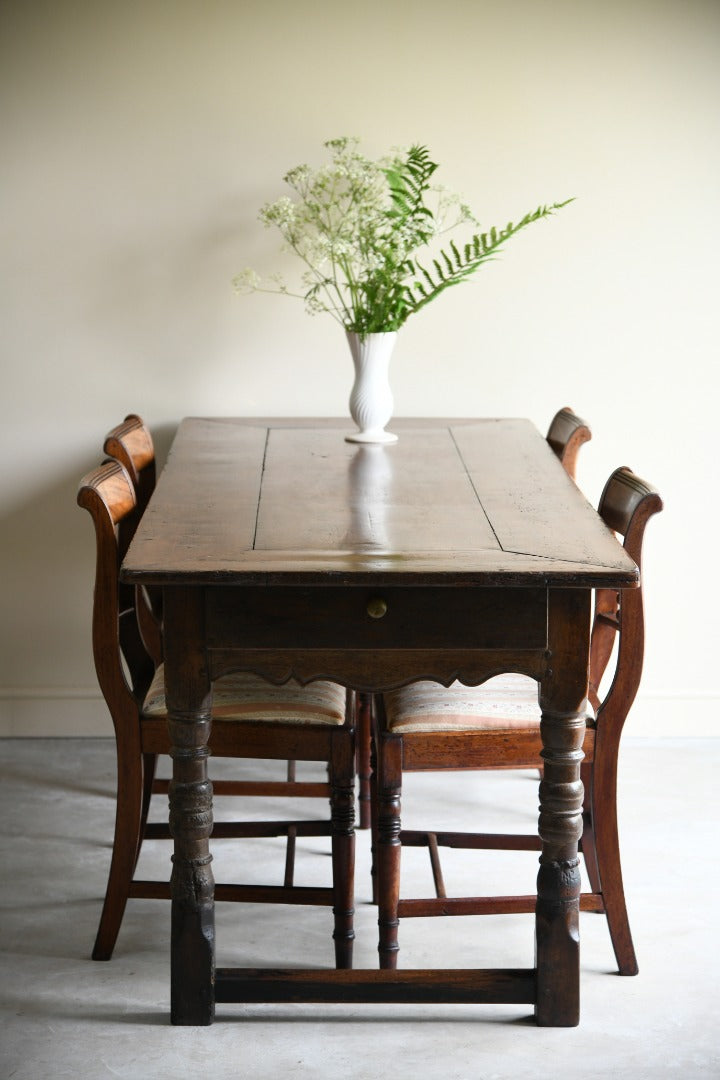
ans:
x=140 y=138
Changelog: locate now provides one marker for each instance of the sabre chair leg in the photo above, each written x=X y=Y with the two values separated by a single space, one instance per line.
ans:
x=605 y=829
x=126 y=846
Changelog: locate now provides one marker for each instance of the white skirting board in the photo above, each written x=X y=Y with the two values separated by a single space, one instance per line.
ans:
x=59 y=712
x=53 y=712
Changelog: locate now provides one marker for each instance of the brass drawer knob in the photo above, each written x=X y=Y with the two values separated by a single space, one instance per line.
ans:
x=377 y=607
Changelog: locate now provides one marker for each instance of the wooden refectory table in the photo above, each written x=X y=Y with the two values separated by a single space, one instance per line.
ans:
x=274 y=540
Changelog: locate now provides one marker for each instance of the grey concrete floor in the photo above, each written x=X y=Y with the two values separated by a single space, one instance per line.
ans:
x=65 y=1016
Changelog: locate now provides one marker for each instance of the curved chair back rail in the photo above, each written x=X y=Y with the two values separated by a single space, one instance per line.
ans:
x=131 y=444
x=566 y=434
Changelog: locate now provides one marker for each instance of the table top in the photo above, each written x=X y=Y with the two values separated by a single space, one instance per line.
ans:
x=453 y=502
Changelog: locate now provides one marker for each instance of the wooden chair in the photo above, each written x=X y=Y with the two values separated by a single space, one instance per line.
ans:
x=251 y=719
x=566 y=434
x=428 y=727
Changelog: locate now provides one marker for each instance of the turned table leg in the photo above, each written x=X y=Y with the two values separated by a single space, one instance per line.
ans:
x=188 y=692
x=562 y=694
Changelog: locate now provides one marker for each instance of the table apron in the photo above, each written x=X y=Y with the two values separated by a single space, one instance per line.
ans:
x=437 y=633
x=350 y=618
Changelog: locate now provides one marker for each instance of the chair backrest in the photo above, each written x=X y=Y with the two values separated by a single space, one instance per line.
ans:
x=109 y=495
x=566 y=434
x=131 y=444
x=626 y=505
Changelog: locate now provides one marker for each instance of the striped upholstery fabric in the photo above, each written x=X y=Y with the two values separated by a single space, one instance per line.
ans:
x=248 y=697
x=505 y=703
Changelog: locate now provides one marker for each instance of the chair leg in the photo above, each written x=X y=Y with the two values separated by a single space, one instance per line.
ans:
x=587 y=841
x=149 y=765
x=342 y=813
x=388 y=850
x=128 y=818
x=605 y=830
x=373 y=824
x=364 y=765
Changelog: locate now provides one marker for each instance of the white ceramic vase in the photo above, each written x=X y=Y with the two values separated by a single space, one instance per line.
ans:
x=371 y=400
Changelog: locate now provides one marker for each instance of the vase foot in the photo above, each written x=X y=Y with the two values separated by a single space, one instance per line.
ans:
x=371 y=437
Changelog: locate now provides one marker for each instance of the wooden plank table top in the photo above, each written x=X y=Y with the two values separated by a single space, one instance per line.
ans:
x=249 y=501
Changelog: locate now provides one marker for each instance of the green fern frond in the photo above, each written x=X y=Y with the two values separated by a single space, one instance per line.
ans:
x=408 y=180
x=482 y=248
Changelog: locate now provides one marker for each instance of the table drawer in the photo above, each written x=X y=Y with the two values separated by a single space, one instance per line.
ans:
x=354 y=617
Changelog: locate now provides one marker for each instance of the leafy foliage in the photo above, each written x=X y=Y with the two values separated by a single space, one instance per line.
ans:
x=457 y=266
x=357 y=225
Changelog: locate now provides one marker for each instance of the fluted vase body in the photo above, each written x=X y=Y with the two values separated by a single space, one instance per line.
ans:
x=371 y=400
